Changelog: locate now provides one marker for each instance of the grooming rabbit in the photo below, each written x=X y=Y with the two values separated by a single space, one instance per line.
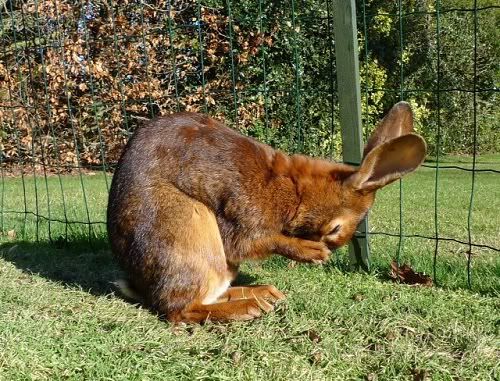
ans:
x=191 y=199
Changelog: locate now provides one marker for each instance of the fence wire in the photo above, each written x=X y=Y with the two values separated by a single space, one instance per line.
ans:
x=76 y=78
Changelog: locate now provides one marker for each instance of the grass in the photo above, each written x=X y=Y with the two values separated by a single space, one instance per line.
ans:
x=59 y=317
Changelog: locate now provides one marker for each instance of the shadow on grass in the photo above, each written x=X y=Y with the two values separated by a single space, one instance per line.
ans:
x=84 y=264
x=89 y=266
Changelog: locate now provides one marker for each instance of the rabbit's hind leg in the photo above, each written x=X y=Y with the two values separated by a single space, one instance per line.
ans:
x=212 y=304
x=221 y=303
x=209 y=274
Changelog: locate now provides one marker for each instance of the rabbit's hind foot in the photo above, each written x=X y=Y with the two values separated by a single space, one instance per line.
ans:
x=236 y=303
x=266 y=292
x=241 y=309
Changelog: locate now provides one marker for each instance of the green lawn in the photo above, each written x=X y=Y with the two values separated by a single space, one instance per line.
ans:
x=59 y=317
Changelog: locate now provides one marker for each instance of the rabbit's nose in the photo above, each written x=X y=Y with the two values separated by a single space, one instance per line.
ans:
x=335 y=243
x=331 y=244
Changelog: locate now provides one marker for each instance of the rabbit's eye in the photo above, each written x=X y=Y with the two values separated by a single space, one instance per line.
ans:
x=335 y=230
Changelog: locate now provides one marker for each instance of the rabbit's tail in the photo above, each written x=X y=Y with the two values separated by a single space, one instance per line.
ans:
x=127 y=290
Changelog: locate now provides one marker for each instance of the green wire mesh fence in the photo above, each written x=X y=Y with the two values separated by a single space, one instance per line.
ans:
x=76 y=78
x=457 y=81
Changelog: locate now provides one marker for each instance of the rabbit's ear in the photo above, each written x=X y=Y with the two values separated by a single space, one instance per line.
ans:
x=397 y=122
x=387 y=162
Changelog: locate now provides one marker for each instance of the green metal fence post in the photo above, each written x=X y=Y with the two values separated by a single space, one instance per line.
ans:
x=349 y=95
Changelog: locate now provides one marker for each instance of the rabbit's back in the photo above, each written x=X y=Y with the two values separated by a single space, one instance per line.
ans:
x=202 y=157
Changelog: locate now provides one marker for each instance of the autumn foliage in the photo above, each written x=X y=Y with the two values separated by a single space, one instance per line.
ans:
x=77 y=79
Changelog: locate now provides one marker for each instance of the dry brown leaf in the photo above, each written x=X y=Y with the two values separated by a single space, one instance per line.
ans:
x=316 y=358
x=312 y=335
x=405 y=274
x=420 y=375
x=391 y=335
x=358 y=297
x=236 y=357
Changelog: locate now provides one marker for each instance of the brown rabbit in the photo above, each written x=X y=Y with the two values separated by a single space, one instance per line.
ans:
x=191 y=199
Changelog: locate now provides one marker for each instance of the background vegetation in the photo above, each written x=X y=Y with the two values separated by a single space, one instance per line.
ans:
x=77 y=77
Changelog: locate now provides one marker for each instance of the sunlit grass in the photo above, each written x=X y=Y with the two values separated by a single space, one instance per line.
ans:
x=59 y=317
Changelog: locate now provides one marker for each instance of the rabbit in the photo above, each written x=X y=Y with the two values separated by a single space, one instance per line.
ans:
x=191 y=199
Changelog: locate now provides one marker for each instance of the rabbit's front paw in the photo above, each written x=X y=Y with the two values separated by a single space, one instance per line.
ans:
x=312 y=251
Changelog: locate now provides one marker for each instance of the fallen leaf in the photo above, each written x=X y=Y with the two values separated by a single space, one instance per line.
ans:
x=236 y=357
x=358 y=297
x=312 y=335
x=420 y=375
x=316 y=358
x=11 y=234
x=405 y=274
x=391 y=335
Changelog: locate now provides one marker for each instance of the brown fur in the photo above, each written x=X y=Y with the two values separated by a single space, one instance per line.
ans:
x=191 y=199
